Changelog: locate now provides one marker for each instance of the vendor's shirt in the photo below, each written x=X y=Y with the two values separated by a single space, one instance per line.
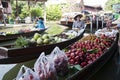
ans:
x=118 y=25
x=78 y=24
x=40 y=24
x=109 y=23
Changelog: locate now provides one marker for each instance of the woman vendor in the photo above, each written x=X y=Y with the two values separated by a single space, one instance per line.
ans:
x=78 y=23
x=40 y=24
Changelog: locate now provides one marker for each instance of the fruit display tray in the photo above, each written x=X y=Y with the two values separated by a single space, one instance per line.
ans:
x=32 y=52
x=15 y=36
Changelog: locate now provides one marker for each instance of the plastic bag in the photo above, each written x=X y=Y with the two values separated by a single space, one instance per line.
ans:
x=45 y=68
x=26 y=73
x=60 y=61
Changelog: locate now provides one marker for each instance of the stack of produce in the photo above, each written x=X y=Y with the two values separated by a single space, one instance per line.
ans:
x=88 y=49
x=24 y=30
x=68 y=34
x=17 y=32
x=45 y=39
x=60 y=61
x=84 y=52
x=46 y=67
x=39 y=39
x=107 y=32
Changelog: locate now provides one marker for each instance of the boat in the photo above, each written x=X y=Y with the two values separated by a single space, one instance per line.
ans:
x=91 y=69
x=83 y=74
x=15 y=36
x=14 y=55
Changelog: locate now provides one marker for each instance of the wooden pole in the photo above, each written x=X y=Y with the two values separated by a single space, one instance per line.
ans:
x=102 y=21
x=91 y=24
x=97 y=22
x=29 y=9
x=45 y=12
x=29 y=6
x=16 y=8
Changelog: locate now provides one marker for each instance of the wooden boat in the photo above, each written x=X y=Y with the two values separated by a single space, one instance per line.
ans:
x=86 y=72
x=15 y=36
x=91 y=69
x=29 y=53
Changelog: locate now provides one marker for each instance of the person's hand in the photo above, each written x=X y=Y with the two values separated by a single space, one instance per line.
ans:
x=114 y=27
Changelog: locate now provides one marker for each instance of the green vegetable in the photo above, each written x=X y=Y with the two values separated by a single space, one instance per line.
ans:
x=21 y=42
x=78 y=67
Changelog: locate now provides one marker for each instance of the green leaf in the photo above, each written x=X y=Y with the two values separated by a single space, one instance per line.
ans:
x=84 y=49
x=78 y=67
x=92 y=51
x=21 y=42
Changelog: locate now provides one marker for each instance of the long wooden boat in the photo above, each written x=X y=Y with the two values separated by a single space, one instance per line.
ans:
x=29 y=53
x=88 y=71
x=91 y=69
x=15 y=36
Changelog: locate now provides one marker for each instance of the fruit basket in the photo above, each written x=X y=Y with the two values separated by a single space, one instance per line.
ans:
x=15 y=36
x=107 y=32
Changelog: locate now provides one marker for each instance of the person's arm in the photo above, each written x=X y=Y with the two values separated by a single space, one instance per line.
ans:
x=73 y=26
x=82 y=24
x=116 y=26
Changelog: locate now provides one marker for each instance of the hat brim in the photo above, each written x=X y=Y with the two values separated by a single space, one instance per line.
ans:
x=79 y=15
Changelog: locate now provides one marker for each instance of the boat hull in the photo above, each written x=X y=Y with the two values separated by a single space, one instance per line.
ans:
x=15 y=36
x=33 y=52
x=91 y=69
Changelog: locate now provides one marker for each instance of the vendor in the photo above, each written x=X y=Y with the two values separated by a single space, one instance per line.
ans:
x=109 y=23
x=78 y=23
x=40 y=24
x=116 y=23
x=117 y=26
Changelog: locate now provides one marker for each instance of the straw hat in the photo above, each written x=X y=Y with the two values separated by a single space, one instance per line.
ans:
x=79 y=15
x=116 y=21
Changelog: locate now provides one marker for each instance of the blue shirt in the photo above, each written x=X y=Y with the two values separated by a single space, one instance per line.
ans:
x=40 y=24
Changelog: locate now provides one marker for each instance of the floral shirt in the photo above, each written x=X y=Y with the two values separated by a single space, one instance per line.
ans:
x=118 y=25
x=78 y=24
x=109 y=23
